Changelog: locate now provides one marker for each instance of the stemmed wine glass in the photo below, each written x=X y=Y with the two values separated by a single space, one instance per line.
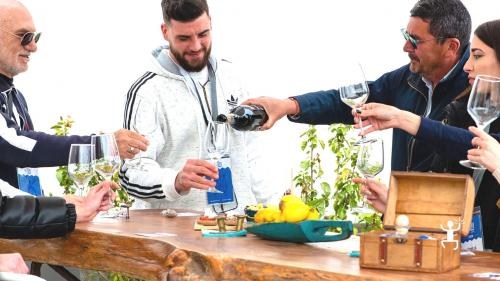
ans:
x=216 y=145
x=483 y=106
x=142 y=125
x=80 y=165
x=106 y=156
x=370 y=163
x=354 y=92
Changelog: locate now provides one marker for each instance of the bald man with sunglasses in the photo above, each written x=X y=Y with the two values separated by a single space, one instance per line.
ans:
x=20 y=145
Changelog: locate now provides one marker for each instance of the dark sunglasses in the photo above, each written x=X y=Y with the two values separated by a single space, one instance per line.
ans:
x=413 y=41
x=27 y=37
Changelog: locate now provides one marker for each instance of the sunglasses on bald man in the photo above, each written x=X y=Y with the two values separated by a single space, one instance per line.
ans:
x=27 y=37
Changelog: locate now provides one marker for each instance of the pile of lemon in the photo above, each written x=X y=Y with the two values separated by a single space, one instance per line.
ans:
x=291 y=209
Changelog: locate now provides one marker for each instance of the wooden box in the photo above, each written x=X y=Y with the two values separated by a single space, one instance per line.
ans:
x=429 y=200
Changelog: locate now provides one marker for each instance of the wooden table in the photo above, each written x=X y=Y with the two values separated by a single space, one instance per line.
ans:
x=114 y=246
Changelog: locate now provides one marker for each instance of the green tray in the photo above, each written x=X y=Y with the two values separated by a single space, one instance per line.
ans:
x=303 y=232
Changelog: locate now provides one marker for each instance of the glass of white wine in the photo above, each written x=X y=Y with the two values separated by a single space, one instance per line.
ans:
x=483 y=106
x=216 y=145
x=370 y=163
x=354 y=92
x=107 y=156
x=80 y=165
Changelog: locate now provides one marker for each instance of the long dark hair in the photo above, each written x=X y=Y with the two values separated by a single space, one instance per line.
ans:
x=489 y=33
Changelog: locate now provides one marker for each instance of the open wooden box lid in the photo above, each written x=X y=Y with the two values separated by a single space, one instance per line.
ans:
x=430 y=200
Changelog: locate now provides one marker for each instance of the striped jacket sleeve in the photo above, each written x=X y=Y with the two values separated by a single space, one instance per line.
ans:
x=149 y=182
x=33 y=149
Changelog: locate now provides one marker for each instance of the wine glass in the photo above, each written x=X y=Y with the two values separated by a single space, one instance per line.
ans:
x=483 y=106
x=80 y=165
x=370 y=163
x=354 y=92
x=107 y=157
x=144 y=126
x=216 y=145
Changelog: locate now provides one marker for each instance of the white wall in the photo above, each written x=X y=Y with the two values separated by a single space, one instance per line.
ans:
x=91 y=51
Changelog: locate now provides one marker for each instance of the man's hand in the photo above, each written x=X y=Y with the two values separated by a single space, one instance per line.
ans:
x=487 y=152
x=194 y=174
x=98 y=199
x=13 y=263
x=130 y=143
x=275 y=109
x=382 y=116
x=375 y=193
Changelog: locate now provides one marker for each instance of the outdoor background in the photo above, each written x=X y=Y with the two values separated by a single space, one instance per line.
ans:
x=92 y=51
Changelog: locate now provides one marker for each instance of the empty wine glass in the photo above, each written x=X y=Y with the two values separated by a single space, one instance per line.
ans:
x=80 y=165
x=145 y=123
x=216 y=145
x=354 y=92
x=483 y=106
x=370 y=163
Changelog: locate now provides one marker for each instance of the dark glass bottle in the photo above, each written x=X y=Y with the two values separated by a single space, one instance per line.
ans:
x=244 y=117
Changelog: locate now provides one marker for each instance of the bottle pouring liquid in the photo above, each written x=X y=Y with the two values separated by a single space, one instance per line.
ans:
x=244 y=117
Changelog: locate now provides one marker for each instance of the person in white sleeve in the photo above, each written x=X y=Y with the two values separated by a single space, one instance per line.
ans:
x=172 y=104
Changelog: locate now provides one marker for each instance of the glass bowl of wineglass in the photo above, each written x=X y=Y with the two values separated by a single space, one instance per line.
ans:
x=354 y=92
x=483 y=106
x=80 y=167
x=370 y=163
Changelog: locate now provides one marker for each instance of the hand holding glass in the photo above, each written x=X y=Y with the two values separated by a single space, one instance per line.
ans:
x=483 y=106
x=216 y=144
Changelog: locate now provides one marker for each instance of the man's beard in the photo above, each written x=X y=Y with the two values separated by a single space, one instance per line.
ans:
x=198 y=65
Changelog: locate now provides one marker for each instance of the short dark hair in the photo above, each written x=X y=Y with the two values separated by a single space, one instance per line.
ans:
x=183 y=10
x=489 y=32
x=447 y=19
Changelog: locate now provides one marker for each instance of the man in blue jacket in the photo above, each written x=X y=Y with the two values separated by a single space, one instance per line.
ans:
x=20 y=145
x=437 y=43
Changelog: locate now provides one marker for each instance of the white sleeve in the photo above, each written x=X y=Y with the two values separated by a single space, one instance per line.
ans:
x=151 y=182
x=10 y=191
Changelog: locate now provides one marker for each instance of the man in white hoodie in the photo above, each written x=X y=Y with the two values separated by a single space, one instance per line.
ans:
x=172 y=104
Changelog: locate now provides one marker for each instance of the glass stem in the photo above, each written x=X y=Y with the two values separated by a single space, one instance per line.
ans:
x=361 y=127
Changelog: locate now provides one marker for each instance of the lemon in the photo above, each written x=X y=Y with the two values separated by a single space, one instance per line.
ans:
x=271 y=213
x=313 y=215
x=289 y=199
x=295 y=212
x=259 y=216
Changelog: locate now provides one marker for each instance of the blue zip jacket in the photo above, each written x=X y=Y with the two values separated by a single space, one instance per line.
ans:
x=20 y=146
x=450 y=141
x=400 y=88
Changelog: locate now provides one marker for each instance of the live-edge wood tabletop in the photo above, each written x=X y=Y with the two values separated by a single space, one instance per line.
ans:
x=183 y=254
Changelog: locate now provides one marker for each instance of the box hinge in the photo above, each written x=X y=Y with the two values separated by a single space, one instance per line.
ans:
x=418 y=253
x=382 y=250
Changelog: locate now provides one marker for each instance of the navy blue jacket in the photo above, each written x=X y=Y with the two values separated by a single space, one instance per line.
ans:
x=400 y=88
x=20 y=146
x=450 y=141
